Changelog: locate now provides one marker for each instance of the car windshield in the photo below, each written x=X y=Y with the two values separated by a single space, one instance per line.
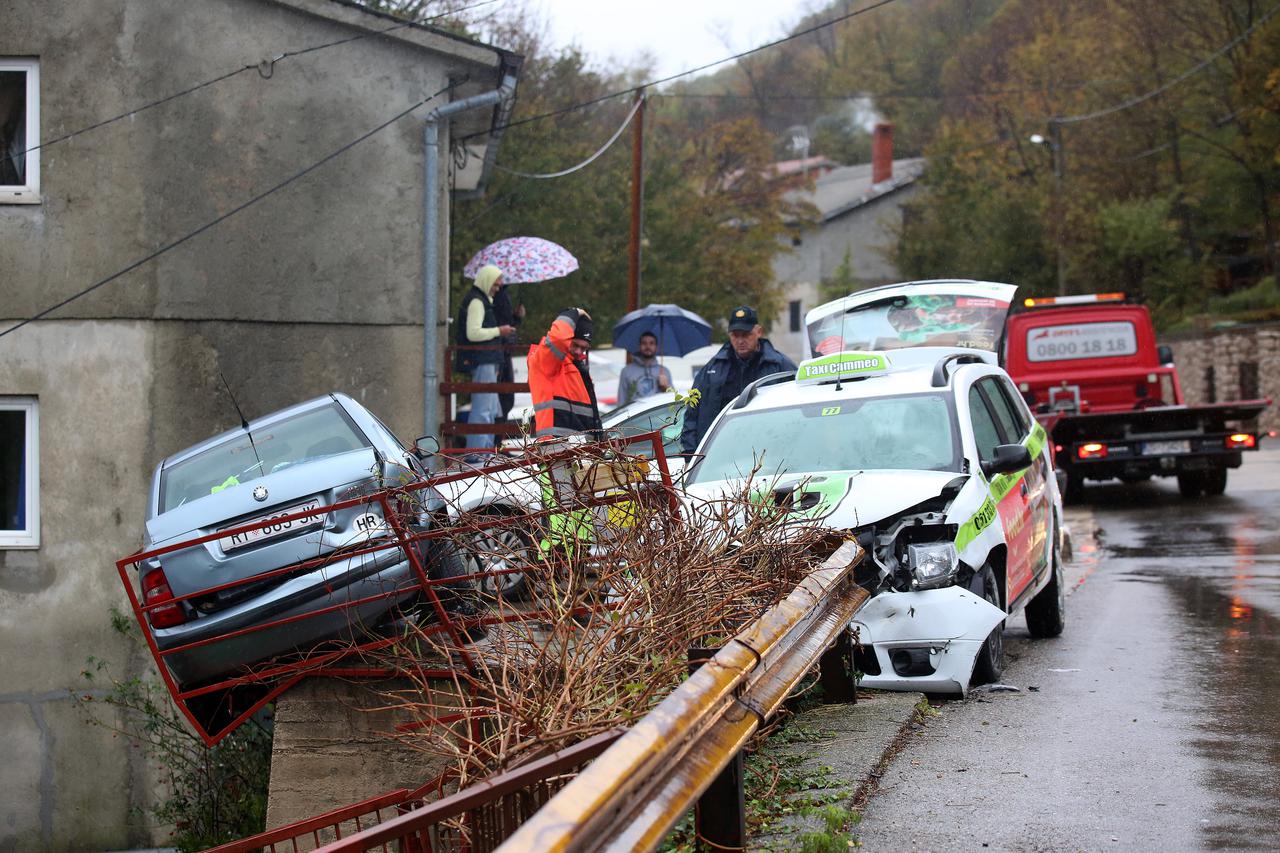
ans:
x=899 y=433
x=311 y=435
x=640 y=418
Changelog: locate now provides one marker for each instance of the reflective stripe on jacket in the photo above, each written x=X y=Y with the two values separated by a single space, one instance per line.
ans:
x=564 y=402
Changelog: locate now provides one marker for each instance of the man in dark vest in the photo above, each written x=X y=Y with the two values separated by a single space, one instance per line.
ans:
x=477 y=325
x=747 y=357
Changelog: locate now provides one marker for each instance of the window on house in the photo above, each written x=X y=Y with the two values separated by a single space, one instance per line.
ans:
x=19 y=473
x=19 y=130
x=796 y=319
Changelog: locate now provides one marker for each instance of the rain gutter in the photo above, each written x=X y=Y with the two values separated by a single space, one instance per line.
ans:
x=431 y=241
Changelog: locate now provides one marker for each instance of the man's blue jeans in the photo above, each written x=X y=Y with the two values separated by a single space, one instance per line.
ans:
x=484 y=407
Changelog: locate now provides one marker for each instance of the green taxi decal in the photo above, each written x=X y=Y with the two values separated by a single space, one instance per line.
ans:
x=830 y=489
x=1002 y=484
x=828 y=411
x=977 y=523
x=841 y=364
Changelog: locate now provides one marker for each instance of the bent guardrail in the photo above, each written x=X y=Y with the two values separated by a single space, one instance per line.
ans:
x=634 y=792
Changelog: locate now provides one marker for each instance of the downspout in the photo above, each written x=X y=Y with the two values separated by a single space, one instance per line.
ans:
x=431 y=241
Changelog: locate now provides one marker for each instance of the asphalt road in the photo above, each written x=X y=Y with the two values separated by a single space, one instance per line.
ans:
x=1152 y=723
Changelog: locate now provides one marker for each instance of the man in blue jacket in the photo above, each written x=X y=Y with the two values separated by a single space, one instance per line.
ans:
x=747 y=357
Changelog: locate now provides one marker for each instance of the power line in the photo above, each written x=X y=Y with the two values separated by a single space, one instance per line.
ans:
x=1196 y=69
x=587 y=162
x=593 y=101
x=225 y=216
x=266 y=68
x=887 y=96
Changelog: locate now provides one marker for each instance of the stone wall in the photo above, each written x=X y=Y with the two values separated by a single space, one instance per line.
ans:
x=1230 y=364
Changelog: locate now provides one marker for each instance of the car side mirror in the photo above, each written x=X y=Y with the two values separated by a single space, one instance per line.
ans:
x=1008 y=458
x=1164 y=352
x=425 y=446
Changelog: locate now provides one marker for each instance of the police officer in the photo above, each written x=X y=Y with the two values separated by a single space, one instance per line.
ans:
x=747 y=356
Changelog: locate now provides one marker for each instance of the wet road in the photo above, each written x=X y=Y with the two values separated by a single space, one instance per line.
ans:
x=1152 y=723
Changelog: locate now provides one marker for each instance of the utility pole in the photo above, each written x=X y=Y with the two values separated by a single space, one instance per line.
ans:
x=1058 y=157
x=637 y=202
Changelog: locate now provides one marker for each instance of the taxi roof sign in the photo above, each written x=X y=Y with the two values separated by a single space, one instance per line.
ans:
x=840 y=365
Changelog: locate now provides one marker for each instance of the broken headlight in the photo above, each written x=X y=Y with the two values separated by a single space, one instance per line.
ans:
x=933 y=564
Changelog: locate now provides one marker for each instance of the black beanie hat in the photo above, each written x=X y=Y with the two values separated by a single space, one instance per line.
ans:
x=583 y=329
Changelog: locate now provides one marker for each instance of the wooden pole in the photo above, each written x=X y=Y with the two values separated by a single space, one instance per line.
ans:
x=637 y=202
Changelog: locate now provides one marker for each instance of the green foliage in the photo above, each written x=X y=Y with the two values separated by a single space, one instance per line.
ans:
x=842 y=283
x=1159 y=199
x=211 y=795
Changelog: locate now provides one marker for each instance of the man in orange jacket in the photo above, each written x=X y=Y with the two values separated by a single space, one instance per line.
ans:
x=564 y=398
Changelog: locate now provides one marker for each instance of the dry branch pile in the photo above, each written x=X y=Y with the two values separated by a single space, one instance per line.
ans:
x=617 y=589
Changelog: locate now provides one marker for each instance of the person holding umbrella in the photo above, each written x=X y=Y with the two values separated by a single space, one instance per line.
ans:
x=645 y=375
x=478 y=325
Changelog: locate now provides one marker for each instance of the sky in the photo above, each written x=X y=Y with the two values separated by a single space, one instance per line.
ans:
x=681 y=34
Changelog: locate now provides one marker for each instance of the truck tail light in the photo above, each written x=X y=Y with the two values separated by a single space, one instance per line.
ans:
x=1241 y=441
x=1092 y=450
x=155 y=590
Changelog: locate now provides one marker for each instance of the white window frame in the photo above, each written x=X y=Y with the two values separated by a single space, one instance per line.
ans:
x=28 y=193
x=29 y=537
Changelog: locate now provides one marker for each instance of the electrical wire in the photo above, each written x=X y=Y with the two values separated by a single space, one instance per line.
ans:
x=230 y=213
x=593 y=101
x=1196 y=69
x=267 y=64
x=587 y=162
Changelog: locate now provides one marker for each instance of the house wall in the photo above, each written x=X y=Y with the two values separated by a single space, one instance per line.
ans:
x=315 y=289
x=1234 y=354
x=866 y=233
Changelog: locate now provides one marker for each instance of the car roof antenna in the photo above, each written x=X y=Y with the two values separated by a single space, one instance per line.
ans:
x=244 y=423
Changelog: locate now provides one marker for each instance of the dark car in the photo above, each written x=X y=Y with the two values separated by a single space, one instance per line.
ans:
x=308 y=456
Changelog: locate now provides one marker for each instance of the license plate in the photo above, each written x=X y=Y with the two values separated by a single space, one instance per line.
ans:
x=249 y=537
x=1162 y=448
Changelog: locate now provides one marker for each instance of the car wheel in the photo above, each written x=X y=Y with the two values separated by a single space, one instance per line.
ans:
x=1214 y=481
x=1073 y=493
x=1046 y=613
x=990 y=662
x=1191 y=484
x=497 y=547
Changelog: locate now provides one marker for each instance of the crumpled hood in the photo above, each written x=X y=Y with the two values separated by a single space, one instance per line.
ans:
x=840 y=499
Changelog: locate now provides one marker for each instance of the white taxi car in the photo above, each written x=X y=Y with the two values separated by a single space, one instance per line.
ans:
x=930 y=457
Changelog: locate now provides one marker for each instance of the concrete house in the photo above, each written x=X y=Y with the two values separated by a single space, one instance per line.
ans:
x=317 y=287
x=859 y=208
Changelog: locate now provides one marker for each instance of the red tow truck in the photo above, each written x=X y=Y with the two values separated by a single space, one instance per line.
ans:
x=1111 y=401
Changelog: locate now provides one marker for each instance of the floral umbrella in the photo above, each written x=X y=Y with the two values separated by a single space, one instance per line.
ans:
x=523 y=260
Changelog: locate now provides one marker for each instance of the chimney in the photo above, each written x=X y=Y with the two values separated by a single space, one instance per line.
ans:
x=881 y=152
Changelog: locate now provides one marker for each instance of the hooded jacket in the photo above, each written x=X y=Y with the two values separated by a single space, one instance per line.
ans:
x=711 y=383
x=564 y=398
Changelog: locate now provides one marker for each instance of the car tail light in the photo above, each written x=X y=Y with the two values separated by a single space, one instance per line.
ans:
x=1092 y=450
x=155 y=590
x=1241 y=441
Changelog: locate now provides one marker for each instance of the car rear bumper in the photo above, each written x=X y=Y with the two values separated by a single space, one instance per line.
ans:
x=313 y=608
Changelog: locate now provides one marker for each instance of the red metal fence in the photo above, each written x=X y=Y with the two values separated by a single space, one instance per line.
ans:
x=215 y=707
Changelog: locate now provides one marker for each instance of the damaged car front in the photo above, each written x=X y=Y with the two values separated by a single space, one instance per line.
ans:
x=882 y=452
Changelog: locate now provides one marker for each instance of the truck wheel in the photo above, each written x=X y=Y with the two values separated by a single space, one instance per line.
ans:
x=990 y=662
x=1214 y=481
x=1047 y=612
x=1191 y=484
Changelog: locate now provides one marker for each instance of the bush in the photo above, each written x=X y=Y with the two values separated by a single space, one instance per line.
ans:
x=209 y=795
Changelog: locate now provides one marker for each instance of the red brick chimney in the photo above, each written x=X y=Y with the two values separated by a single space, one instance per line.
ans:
x=881 y=152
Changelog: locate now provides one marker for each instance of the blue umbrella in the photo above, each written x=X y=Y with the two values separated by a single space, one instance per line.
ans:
x=678 y=331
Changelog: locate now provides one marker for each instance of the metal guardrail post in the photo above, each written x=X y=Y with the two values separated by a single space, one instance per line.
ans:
x=835 y=673
x=720 y=815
